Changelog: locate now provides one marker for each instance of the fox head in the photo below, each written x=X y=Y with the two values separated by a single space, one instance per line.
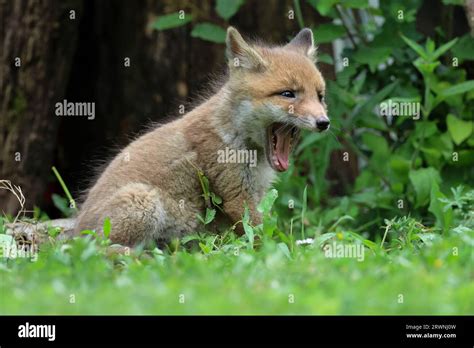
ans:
x=276 y=91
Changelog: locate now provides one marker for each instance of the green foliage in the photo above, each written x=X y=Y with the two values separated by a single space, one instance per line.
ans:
x=406 y=164
x=211 y=199
x=172 y=20
x=228 y=8
x=458 y=129
x=206 y=31
x=443 y=216
x=422 y=180
x=464 y=49
x=249 y=232
x=66 y=209
x=107 y=227
x=209 y=217
x=327 y=33
x=2 y=225
x=324 y=7
x=101 y=239
x=372 y=56
x=209 y=32
x=62 y=205
x=269 y=220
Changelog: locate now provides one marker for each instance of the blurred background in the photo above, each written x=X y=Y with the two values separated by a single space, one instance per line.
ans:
x=138 y=61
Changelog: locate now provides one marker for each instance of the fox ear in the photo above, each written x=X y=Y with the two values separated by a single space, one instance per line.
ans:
x=304 y=43
x=240 y=54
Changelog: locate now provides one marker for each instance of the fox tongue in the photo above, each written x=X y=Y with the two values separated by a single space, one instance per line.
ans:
x=282 y=148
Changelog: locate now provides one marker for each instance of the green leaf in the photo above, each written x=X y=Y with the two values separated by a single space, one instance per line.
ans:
x=247 y=228
x=228 y=8
x=444 y=217
x=372 y=56
x=328 y=33
x=62 y=204
x=356 y=3
x=430 y=46
x=443 y=48
x=458 y=89
x=284 y=248
x=323 y=238
x=206 y=249
x=343 y=78
x=426 y=68
x=399 y=167
x=358 y=82
x=370 y=103
x=325 y=58
x=199 y=217
x=216 y=200
x=464 y=49
x=303 y=209
x=209 y=32
x=210 y=214
x=338 y=221
x=172 y=20
x=459 y=129
x=323 y=6
x=415 y=47
x=269 y=225
x=54 y=231
x=205 y=182
x=375 y=143
x=189 y=238
x=267 y=201
x=368 y=243
x=89 y=232
x=428 y=238
x=107 y=227
x=72 y=203
x=422 y=180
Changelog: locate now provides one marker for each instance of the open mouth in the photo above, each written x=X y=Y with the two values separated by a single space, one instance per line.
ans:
x=281 y=138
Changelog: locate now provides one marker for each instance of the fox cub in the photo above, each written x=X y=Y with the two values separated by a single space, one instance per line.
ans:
x=151 y=190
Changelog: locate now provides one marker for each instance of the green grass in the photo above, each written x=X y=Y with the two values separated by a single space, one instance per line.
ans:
x=223 y=275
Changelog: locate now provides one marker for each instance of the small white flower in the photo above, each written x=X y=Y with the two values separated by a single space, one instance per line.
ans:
x=305 y=241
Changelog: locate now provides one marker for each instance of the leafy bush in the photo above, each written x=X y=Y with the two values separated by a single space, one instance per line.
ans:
x=406 y=164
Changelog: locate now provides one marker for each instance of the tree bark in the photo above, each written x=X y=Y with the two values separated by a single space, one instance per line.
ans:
x=37 y=43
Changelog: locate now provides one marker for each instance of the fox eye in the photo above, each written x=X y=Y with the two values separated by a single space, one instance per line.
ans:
x=321 y=97
x=288 y=94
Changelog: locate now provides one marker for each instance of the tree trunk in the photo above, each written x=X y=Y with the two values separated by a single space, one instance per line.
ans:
x=37 y=43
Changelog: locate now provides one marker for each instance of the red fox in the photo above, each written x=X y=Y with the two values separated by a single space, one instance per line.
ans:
x=151 y=190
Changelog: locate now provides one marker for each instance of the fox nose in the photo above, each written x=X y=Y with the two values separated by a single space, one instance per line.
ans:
x=322 y=123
